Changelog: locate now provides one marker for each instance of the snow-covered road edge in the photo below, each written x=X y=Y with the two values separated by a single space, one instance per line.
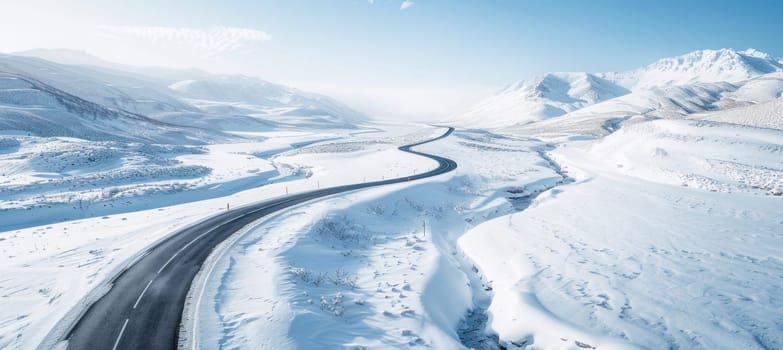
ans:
x=188 y=327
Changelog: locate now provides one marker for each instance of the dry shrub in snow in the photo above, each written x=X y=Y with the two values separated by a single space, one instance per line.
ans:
x=341 y=229
x=334 y=305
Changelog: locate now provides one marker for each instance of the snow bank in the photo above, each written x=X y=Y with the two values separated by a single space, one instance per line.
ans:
x=705 y=155
x=628 y=257
x=763 y=115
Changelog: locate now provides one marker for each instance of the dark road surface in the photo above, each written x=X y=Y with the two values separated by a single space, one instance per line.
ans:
x=144 y=307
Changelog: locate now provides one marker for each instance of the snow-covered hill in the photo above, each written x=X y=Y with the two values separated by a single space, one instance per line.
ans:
x=767 y=114
x=31 y=107
x=110 y=88
x=243 y=95
x=543 y=97
x=750 y=102
x=704 y=66
x=695 y=82
x=186 y=97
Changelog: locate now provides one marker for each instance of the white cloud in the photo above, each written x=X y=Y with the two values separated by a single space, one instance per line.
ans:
x=406 y=4
x=213 y=40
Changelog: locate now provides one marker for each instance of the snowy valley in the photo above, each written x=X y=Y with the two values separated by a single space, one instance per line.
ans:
x=639 y=209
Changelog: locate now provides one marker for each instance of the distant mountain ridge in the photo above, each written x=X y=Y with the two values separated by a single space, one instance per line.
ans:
x=543 y=97
x=554 y=95
x=34 y=107
x=249 y=90
x=180 y=98
x=703 y=66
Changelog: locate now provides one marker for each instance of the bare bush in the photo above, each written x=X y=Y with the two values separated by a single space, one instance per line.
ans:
x=317 y=279
x=341 y=229
x=335 y=305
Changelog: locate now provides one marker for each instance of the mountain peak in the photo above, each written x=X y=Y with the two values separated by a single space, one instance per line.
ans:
x=555 y=94
x=545 y=96
x=751 y=52
x=704 y=66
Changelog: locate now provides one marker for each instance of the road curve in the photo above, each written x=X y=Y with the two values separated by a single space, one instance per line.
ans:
x=143 y=309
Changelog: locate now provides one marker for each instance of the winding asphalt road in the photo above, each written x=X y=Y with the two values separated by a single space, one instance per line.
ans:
x=143 y=309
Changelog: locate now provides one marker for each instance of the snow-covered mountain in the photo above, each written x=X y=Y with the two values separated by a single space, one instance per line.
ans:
x=543 y=97
x=695 y=82
x=183 y=97
x=28 y=106
x=237 y=94
x=110 y=88
x=704 y=66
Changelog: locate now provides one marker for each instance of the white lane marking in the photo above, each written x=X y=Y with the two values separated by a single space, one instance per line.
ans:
x=142 y=293
x=167 y=262
x=117 y=342
x=197 y=238
x=188 y=245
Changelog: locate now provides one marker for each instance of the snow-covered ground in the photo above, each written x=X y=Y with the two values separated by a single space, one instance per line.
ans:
x=668 y=238
x=768 y=114
x=639 y=209
x=46 y=180
x=47 y=270
x=359 y=270
x=663 y=234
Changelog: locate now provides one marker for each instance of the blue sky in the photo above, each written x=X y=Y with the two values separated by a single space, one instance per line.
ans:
x=432 y=58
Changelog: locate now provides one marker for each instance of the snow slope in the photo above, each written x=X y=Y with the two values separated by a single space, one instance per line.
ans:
x=543 y=97
x=669 y=238
x=767 y=114
x=702 y=66
x=186 y=97
x=749 y=102
x=225 y=94
x=33 y=107
x=666 y=102
x=110 y=88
